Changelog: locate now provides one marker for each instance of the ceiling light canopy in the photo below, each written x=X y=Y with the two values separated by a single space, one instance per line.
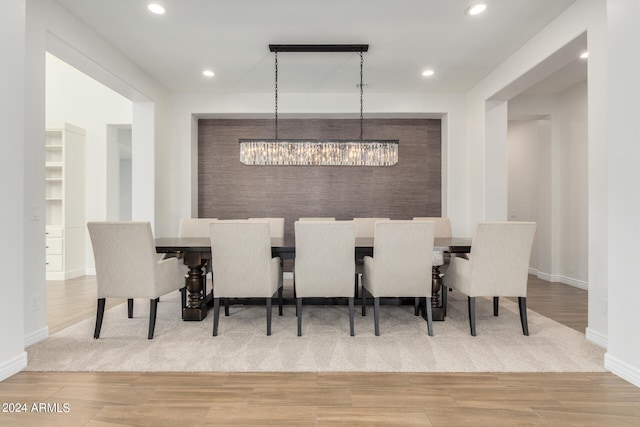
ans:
x=208 y=73
x=428 y=73
x=476 y=9
x=156 y=8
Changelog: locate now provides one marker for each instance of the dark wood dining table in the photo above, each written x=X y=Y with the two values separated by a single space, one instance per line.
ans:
x=196 y=251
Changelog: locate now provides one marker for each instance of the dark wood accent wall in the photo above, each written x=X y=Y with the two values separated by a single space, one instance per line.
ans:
x=229 y=189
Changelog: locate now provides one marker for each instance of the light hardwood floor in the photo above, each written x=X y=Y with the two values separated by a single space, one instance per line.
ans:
x=349 y=399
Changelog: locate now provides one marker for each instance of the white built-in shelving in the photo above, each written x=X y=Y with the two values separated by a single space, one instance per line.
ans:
x=64 y=200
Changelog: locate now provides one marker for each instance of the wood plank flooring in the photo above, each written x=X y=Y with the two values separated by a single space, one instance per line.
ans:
x=333 y=399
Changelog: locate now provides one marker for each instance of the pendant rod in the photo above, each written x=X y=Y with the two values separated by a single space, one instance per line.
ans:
x=276 y=74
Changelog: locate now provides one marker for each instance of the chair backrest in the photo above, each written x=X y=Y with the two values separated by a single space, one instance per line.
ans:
x=195 y=227
x=325 y=258
x=276 y=226
x=443 y=225
x=365 y=227
x=317 y=219
x=241 y=252
x=125 y=259
x=500 y=253
x=402 y=258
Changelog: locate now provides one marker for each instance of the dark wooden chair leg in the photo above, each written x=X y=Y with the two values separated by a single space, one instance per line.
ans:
x=472 y=314
x=130 y=308
x=99 y=317
x=280 y=301
x=183 y=297
x=268 y=316
x=376 y=315
x=355 y=286
x=216 y=315
x=153 y=310
x=522 y=304
x=496 y=304
x=416 y=306
x=443 y=298
x=226 y=307
x=429 y=311
x=351 y=314
x=363 y=301
x=299 y=311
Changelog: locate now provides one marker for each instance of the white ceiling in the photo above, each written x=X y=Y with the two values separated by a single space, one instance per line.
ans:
x=231 y=37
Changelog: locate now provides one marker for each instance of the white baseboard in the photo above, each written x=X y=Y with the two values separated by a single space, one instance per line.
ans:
x=90 y=272
x=556 y=278
x=596 y=337
x=73 y=274
x=622 y=369
x=13 y=366
x=36 y=337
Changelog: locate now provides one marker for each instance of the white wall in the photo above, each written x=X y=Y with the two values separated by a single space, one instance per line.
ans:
x=524 y=67
x=50 y=27
x=12 y=177
x=74 y=97
x=623 y=355
x=528 y=159
x=551 y=189
x=187 y=107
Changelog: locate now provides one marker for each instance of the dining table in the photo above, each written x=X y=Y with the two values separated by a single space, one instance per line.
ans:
x=196 y=252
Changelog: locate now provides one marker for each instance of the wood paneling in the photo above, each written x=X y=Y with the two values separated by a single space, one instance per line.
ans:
x=229 y=189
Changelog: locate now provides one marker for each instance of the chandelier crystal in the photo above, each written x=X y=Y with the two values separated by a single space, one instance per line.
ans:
x=318 y=153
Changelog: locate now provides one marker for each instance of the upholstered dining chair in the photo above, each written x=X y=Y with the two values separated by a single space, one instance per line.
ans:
x=497 y=267
x=323 y=218
x=127 y=266
x=439 y=260
x=276 y=226
x=325 y=263
x=363 y=228
x=243 y=266
x=195 y=227
x=398 y=268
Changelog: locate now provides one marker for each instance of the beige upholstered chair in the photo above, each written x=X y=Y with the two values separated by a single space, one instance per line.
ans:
x=364 y=228
x=498 y=267
x=243 y=266
x=443 y=229
x=317 y=219
x=398 y=267
x=127 y=266
x=439 y=260
x=276 y=226
x=195 y=227
x=325 y=263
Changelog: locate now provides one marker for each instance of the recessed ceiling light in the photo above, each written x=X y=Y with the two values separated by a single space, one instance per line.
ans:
x=427 y=73
x=584 y=55
x=476 y=9
x=156 y=8
x=208 y=73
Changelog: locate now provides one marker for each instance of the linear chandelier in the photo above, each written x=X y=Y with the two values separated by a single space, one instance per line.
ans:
x=314 y=152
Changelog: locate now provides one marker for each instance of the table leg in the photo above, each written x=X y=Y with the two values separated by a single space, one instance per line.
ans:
x=437 y=300
x=196 y=309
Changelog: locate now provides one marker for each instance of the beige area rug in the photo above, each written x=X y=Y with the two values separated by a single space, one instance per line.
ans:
x=242 y=345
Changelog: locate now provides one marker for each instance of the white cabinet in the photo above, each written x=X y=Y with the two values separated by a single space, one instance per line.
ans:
x=64 y=194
